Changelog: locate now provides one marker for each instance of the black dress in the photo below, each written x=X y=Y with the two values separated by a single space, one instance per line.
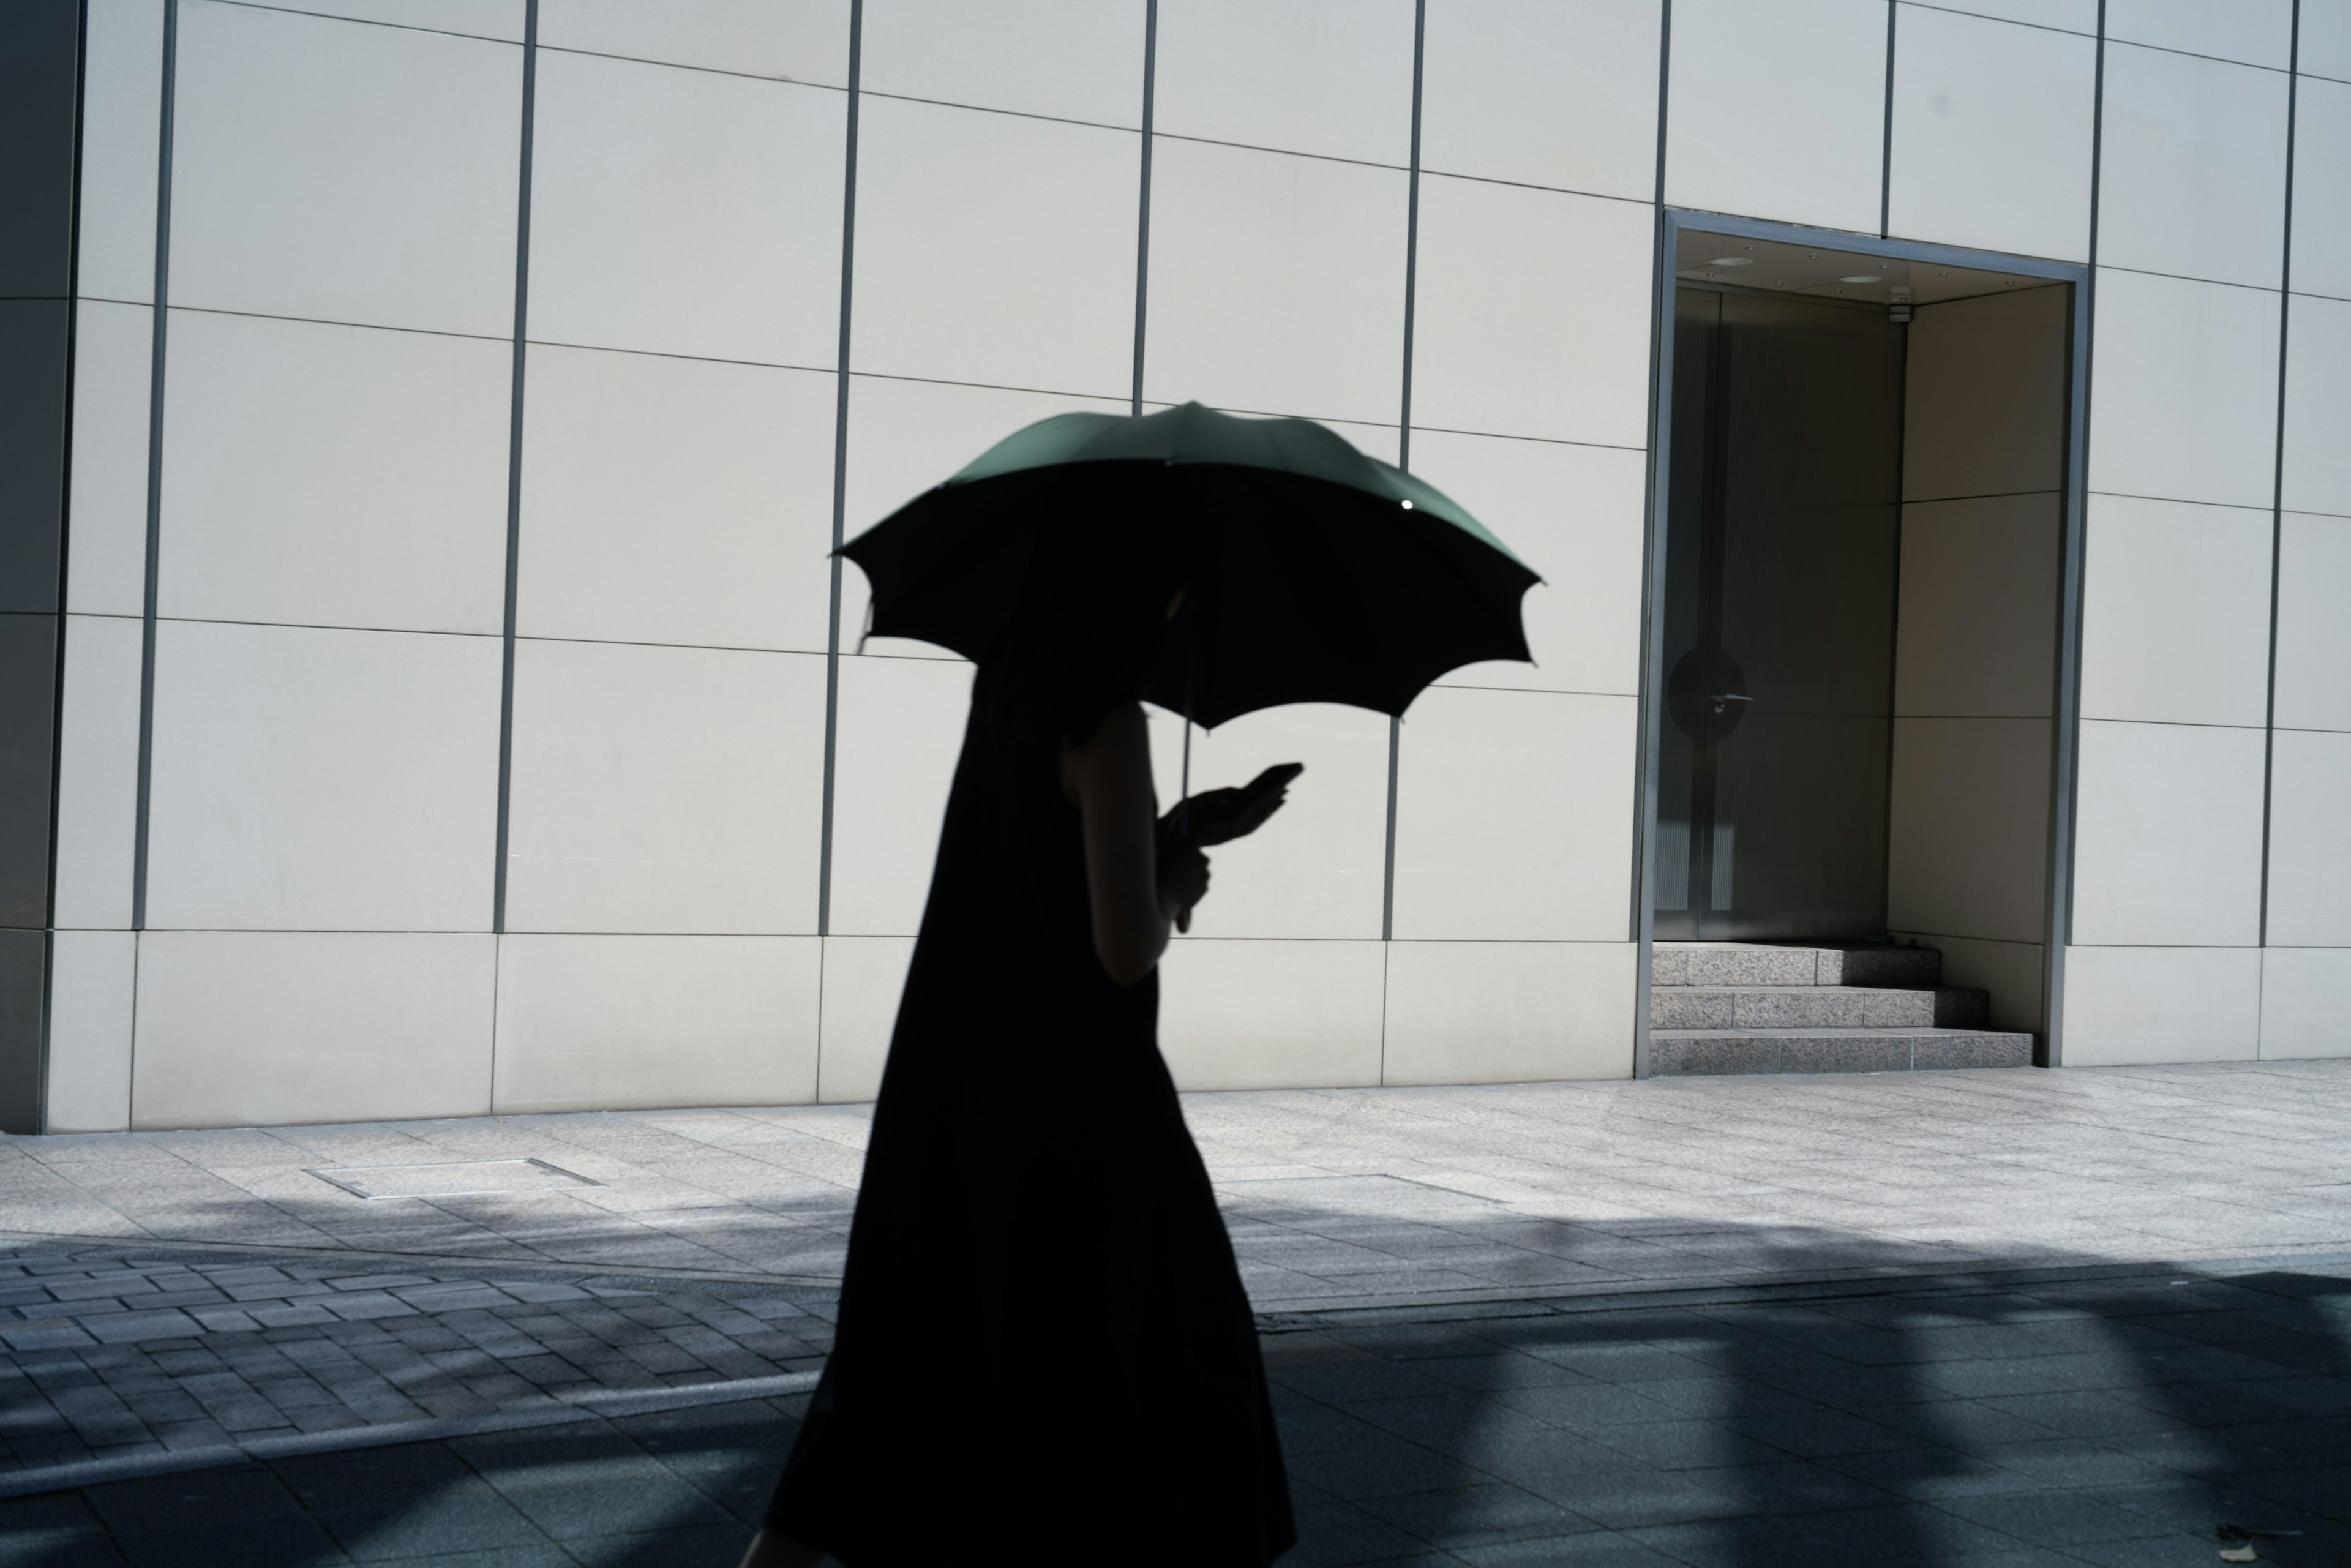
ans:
x=1044 y=1348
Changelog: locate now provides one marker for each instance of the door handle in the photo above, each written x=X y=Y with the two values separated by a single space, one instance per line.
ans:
x=1716 y=699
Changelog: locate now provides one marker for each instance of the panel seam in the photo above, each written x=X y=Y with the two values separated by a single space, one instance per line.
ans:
x=160 y=305
x=514 y=478
x=2277 y=488
x=1142 y=202
x=840 y=486
x=1403 y=461
x=1885 y=146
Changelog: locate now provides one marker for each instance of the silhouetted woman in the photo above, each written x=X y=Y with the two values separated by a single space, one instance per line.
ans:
x=1044 y=1353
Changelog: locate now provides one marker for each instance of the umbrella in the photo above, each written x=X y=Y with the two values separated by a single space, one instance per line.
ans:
x=1333 y=577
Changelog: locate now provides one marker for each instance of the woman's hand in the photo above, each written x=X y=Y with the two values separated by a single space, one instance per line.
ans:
x=1210 y=821
x=1183 y=879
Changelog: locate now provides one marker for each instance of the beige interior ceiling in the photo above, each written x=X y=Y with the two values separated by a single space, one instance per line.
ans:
x=1770 y=266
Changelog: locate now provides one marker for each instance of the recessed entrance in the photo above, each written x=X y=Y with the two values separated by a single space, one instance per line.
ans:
x=1857 y=620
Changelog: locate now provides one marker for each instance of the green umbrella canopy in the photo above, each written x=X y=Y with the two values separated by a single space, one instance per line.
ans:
x=1333 y=577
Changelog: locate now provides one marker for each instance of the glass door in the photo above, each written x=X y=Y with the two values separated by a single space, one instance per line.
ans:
x=1784 y=527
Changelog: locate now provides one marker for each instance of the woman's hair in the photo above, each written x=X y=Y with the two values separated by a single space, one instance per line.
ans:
x=1084 y=633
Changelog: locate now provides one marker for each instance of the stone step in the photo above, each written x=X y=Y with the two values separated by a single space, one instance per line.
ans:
x=1817 y=1007
x=1681 y=1052
x=1784 y=964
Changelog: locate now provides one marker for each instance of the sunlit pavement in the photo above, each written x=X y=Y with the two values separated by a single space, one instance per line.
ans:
x=1967 y=1318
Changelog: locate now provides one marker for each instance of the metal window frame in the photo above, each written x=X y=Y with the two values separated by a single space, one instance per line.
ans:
x=2065 y=721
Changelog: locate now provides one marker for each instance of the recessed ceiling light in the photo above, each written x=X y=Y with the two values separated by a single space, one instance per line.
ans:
x=2011 y=283
x=1862 y=277
x=1731 y=261
x=1942 y=275
x=1836 y=291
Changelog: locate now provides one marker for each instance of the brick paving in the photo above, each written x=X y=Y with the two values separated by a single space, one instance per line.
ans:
x=2114 y=1421
x=116 y=1355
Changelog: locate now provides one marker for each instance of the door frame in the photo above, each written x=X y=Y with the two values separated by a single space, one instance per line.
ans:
x=2065 y=707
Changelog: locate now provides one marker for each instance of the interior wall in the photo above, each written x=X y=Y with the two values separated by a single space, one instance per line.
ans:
x=1975 y=647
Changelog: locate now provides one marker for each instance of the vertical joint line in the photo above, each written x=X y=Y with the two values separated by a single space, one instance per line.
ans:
x=1885 y=148
x=165 y=113
x=1143 y=204
x=1403 y=429
x=514 y=462
x=2277 y=478
x=839 y=467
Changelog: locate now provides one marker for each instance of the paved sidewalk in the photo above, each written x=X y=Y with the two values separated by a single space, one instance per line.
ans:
x=171 y=1302
x=1352 y=1197
x=2123 y=1421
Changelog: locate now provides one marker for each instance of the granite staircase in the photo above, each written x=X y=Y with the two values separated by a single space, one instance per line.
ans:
x=1749 y=1007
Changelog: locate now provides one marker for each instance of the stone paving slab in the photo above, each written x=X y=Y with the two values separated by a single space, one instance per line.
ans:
x=2108 y=1420
x=1593 y=1186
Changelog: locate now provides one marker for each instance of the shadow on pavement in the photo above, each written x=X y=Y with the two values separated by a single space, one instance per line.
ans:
x=2092 y=1416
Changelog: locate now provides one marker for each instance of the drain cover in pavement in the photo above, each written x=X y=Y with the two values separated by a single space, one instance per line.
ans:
x=464 y=1178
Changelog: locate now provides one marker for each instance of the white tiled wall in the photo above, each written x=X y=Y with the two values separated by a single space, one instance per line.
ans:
x=2192 y=181
x=318 y=475
x=2306 y=992
x=2322 y=187
x=335 y=481
x=322 y=780
x=1069 y=59
x=2258 y=32
x=344 y=172
x=1271 y=1014
x=1514 y=817
x=995 y=248
x=641 y=239
x=1561 y=93
x=2314 y=635
x=2168 y=836
x=673 y=500
x=2162 y=1004
x=1499 y=346
x=736 y=1017
x=1509 y=1012
x=122 y=108
x=2317 y=470
x=263 y=1027
x=1327 y=77
x=1778 y=110
x=106 y=568
x=664 y=790
x=2183 y=389
x=98 y=773
x=806 y=41
x=2310 y=839
x=2175 y=619
x=91 y=1004
x=1277 y=283
x=1992 y=126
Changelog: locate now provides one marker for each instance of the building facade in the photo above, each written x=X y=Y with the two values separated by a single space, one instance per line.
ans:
x=428 y=692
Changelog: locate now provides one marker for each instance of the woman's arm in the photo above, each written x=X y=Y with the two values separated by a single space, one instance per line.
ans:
x=1135 y=897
